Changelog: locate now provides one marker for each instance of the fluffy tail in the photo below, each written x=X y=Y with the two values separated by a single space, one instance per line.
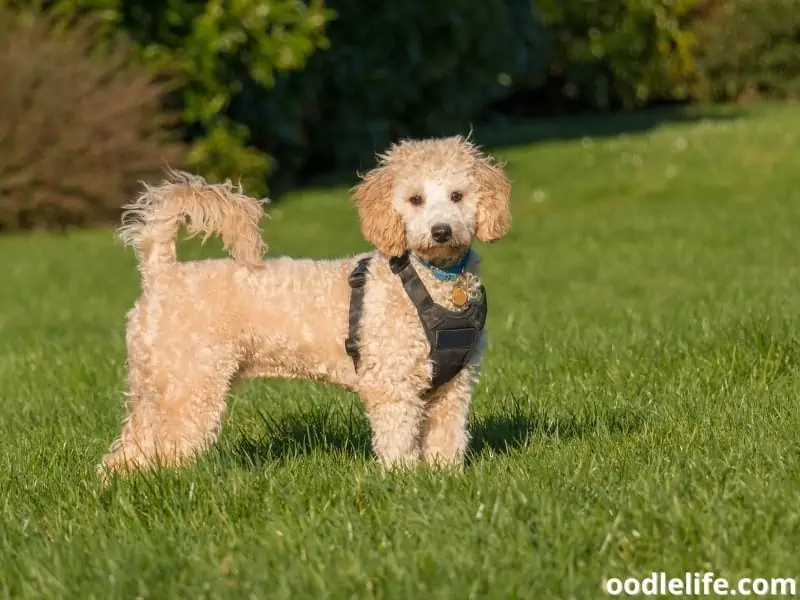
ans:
x=151 y=222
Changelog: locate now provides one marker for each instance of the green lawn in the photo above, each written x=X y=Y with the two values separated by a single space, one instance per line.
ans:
x=639 y=409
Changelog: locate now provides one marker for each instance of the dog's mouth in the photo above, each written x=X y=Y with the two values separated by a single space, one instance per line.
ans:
x=444 y=255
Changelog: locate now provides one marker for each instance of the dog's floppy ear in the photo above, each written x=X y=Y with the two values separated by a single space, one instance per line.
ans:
x=494 y=213
x=380 y=223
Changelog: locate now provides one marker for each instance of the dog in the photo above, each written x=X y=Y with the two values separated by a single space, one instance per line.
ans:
x=354 y=322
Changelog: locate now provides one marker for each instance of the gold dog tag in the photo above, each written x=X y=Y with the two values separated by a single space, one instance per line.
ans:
x=459 y=296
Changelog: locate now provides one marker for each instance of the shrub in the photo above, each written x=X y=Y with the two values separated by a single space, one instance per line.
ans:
x=408 y=67
x=749 y=48
x=606 y=54
x=220 y=52
x=223 y=50
x=77 y=129
x=292 y=87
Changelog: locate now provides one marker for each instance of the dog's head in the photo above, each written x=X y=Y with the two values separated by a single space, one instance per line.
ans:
x=433 y=197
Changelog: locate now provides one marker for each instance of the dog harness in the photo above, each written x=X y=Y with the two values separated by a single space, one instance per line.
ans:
x=453 y=336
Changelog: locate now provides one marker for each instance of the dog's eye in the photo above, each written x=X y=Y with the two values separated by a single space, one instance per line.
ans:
x=456 y=197
x=416 y=199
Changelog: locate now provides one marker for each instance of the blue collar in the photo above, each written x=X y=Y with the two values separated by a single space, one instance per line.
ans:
x=450 y=273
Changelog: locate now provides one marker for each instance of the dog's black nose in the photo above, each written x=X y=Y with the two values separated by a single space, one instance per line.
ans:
x=441 y=232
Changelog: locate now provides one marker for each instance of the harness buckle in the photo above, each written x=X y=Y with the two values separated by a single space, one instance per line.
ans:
x=357 y=278
x=351 y=347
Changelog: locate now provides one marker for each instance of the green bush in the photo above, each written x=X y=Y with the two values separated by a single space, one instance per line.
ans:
x=410 y=67
x=604 y=54
x=77 y=129
x=222 y=50
x=247 y=94
x=749 y=48
x=287 y=88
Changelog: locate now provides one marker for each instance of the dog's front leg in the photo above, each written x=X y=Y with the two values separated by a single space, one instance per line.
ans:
x=444 y=436
x=395 y=417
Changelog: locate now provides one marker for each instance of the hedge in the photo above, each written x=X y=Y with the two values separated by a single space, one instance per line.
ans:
x=748 y=49
x=401 y=68
x=276 y=90
x=609 y=54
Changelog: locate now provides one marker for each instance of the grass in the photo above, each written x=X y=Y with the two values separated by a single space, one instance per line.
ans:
x=639 y=411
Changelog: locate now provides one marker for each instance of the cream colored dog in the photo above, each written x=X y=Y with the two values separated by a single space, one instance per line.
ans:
x=201 y=325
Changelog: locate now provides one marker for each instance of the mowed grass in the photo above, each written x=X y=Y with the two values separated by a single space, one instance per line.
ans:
x=639 y=409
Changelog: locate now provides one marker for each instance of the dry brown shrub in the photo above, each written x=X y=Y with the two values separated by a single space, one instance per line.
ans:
x=78 y=128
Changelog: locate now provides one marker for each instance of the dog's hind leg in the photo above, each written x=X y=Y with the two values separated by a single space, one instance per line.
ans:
x=173 y=413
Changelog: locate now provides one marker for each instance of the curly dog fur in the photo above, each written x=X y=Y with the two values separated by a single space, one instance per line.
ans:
x=198 y=326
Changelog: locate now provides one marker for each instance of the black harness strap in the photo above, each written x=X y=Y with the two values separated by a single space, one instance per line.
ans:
x=453 y=336
x=357 y=279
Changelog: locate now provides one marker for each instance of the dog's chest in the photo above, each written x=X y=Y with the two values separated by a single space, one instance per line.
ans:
x=401 y=328
x=452 y=294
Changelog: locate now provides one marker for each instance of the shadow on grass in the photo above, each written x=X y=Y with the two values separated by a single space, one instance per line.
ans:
x=513 y=429
x=317 y=430
x=346 y=432
x=566 y=128
x=523 y=132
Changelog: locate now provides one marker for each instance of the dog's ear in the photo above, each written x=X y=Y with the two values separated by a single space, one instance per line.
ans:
x=494 y=213
x=380 y=223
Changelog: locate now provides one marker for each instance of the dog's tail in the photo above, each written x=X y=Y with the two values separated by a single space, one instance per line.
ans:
x=151 y=222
